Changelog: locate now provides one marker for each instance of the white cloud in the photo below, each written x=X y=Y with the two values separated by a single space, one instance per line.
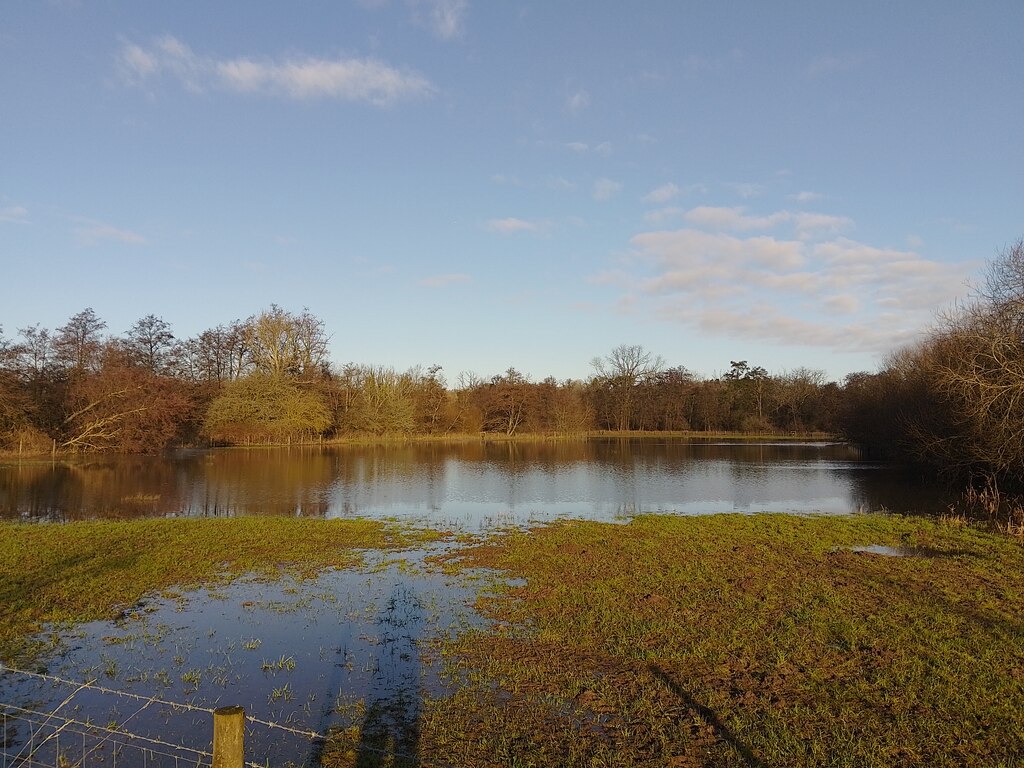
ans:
x=711 y=217
x=14 y=214
x=94 y=232
x=808 y=223
x=662 y=194
x=842 y=304
x=605 y=189
x=440 y=281
x=345 y=79
x=512 y=225
x=577 y=102
x=836 y=293
x=737 y=220
x=806 y=197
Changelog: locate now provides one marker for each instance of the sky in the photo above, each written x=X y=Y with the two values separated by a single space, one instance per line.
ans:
x=514 y=184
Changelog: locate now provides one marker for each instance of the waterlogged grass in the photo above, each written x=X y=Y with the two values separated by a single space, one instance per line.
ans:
x=76 y=572
x=741 y=641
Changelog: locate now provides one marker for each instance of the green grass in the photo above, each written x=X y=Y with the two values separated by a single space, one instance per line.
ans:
x=75 y=572
x=721 y=640
x=742 y=641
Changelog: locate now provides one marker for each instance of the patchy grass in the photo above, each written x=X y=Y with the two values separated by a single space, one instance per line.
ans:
x=75 y=572
x=741 y=641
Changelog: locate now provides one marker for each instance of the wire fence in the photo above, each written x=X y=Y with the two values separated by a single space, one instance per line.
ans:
x=59 y=735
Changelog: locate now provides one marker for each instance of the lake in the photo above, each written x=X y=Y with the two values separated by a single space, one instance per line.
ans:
x=468 y=486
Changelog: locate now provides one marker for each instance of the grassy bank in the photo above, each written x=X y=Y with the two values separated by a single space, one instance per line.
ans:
x=535 y=437
x=79 y=572
x=743 y=641
x=487 y=437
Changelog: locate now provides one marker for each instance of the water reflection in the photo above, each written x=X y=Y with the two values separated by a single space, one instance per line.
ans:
x=471 y=485
x=338 y=656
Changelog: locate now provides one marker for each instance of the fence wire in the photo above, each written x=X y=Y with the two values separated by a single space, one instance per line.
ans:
x=52 y=738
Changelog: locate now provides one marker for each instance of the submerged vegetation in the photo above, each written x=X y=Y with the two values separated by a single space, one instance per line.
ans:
x=66 y=574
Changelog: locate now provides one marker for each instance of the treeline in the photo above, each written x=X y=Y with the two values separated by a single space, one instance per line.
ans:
x=955 y=402
x=269 y=379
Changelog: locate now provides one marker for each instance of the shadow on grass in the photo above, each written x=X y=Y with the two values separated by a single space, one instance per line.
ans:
x=709 y=716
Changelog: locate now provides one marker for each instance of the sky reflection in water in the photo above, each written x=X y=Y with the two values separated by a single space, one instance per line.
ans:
x=344 y=652
x=469 y=486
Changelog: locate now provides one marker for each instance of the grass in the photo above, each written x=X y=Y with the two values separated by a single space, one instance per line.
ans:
x=76 y=572
x=741 y=641
x=723 y=640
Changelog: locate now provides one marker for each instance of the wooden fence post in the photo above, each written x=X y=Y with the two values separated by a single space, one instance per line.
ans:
x=229 y=737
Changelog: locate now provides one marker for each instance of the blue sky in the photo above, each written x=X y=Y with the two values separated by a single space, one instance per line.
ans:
x=528 y=184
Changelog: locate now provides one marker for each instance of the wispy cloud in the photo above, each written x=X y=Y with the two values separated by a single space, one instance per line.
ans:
x=737 y=220
x=346 y=79
x=512 y=225
x=559 y=183
x=577 y=102
x=95 y=232
x=605 y=189
x=746 y=189
x=664 y=215
x=446 y=18
x=806 y=197
x=662 y=194
x=604 y=148
x=440 y=281
x=14 y=214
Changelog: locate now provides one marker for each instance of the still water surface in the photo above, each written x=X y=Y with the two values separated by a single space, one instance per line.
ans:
x=469 y=486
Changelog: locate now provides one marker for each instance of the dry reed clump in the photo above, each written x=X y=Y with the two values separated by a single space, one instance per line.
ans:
x=988 y=504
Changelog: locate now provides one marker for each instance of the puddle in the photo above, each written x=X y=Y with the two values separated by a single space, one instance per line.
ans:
x=347 y=652
x=887 y=551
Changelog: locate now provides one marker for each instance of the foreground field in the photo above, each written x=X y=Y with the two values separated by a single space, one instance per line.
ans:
x=56 y=575
x=744 y=641
x=724 y=640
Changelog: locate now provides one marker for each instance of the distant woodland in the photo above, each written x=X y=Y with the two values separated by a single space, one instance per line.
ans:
x=955 y=401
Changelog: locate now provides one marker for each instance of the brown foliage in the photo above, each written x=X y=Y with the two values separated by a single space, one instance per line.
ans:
x=125 y=409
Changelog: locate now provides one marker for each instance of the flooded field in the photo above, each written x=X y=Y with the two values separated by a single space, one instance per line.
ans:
x=343 y=661
x=341 y=668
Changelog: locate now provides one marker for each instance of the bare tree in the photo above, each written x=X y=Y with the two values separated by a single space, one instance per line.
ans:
x=960 y=394
x=284 y=344
x=620 y=372
x=77 y=344
x=151 y=341
x=34 y=353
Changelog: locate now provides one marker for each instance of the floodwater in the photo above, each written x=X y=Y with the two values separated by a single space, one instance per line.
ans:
x=344 y=661
x=467 y=486
x=348 y=660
